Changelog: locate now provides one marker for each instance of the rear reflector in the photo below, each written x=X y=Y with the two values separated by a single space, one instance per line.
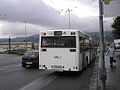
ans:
x=43 y=50
x=45 y=67
x=76 y=67
x=72 y=50
x=69 y=69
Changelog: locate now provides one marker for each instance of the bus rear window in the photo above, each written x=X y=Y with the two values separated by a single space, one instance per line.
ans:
x=58 y=42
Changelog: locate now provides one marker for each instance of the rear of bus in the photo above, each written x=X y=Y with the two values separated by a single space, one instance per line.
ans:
x=58 y=50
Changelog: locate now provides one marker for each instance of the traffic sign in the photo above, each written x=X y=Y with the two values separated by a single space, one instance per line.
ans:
x=113 y=9
x=106 y=2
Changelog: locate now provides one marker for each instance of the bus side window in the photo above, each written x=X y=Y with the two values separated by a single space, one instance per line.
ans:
x=81 y=42
x=86 y=44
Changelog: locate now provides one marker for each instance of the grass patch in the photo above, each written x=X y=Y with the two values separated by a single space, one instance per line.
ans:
x=118 y=56
x=18 y=52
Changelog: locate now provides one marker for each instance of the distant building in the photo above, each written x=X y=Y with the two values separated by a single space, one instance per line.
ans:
x=18 y=45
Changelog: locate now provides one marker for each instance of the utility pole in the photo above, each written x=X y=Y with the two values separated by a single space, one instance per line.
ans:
x=25 y=36
x=102 y=46
x=69 y=17
x=9 y=39
x=9 y=43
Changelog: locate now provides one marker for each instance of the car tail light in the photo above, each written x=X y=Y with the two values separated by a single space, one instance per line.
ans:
x=72 y=50
x=43 y=50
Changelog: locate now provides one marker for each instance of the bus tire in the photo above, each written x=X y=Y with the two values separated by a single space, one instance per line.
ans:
x=86 y=61
x=24 y=65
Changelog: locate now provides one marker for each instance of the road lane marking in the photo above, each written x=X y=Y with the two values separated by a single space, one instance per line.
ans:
x=4 y=68
x=39 y=83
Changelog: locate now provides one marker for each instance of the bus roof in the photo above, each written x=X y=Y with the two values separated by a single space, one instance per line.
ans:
x=72 y=30
x=47 y=30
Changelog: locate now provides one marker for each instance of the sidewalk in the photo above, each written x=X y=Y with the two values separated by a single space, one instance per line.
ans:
x=113 y=75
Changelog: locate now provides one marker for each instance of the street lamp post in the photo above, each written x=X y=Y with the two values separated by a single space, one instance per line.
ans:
x=2 y=16
x=9 y=43
x=9 y=39
x=102 y=45
x=69 y=16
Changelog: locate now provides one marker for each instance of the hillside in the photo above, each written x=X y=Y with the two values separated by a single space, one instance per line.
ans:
x=35 y=38
x=107 y=34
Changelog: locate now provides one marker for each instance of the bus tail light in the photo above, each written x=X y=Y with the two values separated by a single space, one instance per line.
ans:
x=72 y=50
x=75 y=67
x=45 y=66
x=69 y=69
x=43 y=34
x=43 y=50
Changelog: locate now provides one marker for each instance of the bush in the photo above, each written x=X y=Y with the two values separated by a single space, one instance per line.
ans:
x=118 y=56
x=19 y=52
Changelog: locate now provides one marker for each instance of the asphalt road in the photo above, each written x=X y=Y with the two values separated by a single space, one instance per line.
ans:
x=14 y=77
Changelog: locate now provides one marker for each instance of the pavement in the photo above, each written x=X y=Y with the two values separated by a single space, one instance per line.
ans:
x=113 y=74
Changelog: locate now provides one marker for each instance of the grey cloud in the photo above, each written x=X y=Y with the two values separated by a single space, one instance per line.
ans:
x=38 y=13
x=35 y=12
x=18 y=29
x=113 y=9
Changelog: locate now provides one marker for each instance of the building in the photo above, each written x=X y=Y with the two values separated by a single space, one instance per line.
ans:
x=18 y=45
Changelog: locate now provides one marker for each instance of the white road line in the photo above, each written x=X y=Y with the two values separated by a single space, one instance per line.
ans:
x=1 y=69
x=10 y=67
x=39 y=83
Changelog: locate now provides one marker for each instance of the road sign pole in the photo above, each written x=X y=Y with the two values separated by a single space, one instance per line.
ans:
x=102 y=46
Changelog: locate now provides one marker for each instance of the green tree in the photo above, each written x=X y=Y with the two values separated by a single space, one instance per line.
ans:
x=33 y=46
x=116 y=28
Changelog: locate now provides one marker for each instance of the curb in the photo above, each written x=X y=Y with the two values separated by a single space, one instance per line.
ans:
x=94 y=77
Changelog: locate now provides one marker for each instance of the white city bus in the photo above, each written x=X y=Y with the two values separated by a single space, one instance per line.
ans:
x=66 y=50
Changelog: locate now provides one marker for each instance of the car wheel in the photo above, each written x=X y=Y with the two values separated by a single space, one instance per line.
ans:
x=36 y=65
x=23 y=65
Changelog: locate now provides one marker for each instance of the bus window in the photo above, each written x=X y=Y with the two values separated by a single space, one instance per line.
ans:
x=58 y=42
x=87 y=43
x=81 y=40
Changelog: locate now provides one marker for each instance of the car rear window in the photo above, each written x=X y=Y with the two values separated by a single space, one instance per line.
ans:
x=31 y=53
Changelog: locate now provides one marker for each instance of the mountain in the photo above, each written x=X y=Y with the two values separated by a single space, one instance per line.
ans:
x=35 y=38
x=107 y=35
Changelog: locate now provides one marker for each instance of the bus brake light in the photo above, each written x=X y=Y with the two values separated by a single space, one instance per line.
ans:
x=43 y=50
x=72 y=50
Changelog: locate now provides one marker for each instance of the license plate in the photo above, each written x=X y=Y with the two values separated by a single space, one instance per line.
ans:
x=28 y=62
x=57 y=67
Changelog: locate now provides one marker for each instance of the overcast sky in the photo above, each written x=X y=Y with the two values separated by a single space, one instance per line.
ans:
x=48 y=14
